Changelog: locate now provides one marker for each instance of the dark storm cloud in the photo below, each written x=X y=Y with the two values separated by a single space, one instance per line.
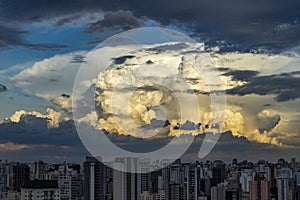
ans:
x=122 y=59
x=29 y=11
x=120 y=19
x=67 y=19
x=10 y=36
x=285 y=86
x=46 y=47
x=250 y=23
x=3 y=88
x=13 y=36
x=242 y=75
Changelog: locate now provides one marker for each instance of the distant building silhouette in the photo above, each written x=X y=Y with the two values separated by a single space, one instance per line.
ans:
x=94 y=179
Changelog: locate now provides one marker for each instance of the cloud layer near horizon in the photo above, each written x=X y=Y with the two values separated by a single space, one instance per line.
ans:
x=32 y=138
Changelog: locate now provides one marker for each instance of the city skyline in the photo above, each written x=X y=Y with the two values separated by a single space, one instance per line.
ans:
x=209 y=180
x=191 y=80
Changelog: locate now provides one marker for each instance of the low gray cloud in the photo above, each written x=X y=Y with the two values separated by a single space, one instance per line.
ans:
x=45 y=46
x=120 y=19
x=13 y=36
x=31 y=129
x=32 y=136
x=267 y=123
x=10 y=36
x=230 y=146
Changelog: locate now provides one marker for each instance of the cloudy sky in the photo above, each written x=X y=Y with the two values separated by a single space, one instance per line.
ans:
x=253 y=44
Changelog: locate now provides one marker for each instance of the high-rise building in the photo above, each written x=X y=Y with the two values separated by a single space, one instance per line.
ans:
x=165 y=175
x=176 y=191
x=218 y=192
x=159 y=195
x=21 y=175
x=283 y=183
x=69 y=180
x=205 y=185
x=272 y=182
x=192 y=183
x=109 y=183
x=6 y=177
x=233 y=190
x=298 y=178
x=39 y=170
x=146 y=195
x=94 y=179
x=294 y=164
x=283 y=188
x=259 y=188
x=40 y=190
x=176 y=172
x=7 y=184
x=218 y=173
x=156 y=181
x=245 y=178
x=175 y=183
x=127 y=186
x=145 y=174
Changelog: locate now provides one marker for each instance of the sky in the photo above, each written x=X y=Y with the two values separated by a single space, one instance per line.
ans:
x=255 y=45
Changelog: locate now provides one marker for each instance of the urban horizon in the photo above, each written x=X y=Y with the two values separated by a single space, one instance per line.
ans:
x=210 y=180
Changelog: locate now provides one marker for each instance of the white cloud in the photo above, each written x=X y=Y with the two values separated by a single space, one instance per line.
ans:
x=265 y=64
x=49 y=77
x=52 y=117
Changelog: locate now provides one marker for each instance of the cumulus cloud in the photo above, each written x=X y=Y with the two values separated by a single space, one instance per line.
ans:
x=64 y=102
x=247 y=115
x=52 y=117
x=257 y=129
x=134 y=95
x=241 y=120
